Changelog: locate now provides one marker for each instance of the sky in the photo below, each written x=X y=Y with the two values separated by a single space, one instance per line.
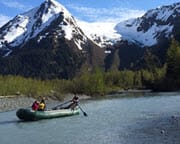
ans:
x=87 y=10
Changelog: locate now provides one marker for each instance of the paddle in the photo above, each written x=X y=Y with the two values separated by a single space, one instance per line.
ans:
x=61 y=104
x=84 y=113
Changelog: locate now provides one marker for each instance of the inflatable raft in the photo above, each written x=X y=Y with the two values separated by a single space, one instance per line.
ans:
x=31 y=115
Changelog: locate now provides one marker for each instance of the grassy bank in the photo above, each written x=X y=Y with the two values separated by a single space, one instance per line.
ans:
x=96 y=83
x=17 y=85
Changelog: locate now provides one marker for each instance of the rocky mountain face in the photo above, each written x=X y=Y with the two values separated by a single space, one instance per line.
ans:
x=152 y=32
x=46 y=42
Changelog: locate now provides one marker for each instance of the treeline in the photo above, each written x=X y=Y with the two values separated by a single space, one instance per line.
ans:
x=98 y=82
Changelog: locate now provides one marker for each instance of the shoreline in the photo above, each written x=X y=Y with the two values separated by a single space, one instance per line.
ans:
x=131 y=91
x=8 y=103
x=13 y=102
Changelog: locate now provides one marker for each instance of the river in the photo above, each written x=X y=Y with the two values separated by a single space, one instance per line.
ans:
x=151 y=118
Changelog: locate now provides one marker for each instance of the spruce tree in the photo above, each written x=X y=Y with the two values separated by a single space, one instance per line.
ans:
x=173 y=60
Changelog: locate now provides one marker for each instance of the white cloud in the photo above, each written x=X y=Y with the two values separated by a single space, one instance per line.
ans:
x=15 y=4
x=4 y=19
x=104 y=14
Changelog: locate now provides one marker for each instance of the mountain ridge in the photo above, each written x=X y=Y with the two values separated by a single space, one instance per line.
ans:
x=151 y=26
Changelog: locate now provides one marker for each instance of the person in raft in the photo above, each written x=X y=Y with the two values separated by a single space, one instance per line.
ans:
x=42 y=105
x=73 y=103
x=35 y=105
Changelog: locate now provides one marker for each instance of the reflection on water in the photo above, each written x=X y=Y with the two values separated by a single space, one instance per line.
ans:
x=152 y=119
x=8 y=122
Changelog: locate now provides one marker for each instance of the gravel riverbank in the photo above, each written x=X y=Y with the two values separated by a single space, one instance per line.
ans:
x=14 y=102
x=8 y=103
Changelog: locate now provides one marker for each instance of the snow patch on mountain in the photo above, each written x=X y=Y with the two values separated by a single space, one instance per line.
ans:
x=128 y=30
x=102 y=33
x=164 y=14
x=17 y=28
x=68 y=31
x=56 y=7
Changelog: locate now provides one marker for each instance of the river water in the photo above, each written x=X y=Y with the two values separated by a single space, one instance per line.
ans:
x=152 y=118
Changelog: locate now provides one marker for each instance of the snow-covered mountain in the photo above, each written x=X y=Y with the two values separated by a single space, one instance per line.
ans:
x=149 y=34
x=46 y=42
x=35 y=22
x=146 y=30
x=154 y=25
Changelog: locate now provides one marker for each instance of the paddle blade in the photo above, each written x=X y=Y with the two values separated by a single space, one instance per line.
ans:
x=85 y=114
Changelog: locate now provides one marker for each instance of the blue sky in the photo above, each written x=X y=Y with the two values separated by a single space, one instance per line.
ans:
x=86 y=10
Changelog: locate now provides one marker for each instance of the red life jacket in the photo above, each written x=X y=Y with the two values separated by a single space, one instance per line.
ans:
x=35 y=106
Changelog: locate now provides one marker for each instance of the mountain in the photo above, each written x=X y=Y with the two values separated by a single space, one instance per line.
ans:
x=32 y=24
x=152 y=32
x=156 y=24
x=46 y=42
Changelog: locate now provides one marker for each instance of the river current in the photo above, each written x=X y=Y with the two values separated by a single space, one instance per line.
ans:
x=147 y=118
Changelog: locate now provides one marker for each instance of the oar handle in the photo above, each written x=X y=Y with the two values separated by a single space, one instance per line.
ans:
x=61 y=104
